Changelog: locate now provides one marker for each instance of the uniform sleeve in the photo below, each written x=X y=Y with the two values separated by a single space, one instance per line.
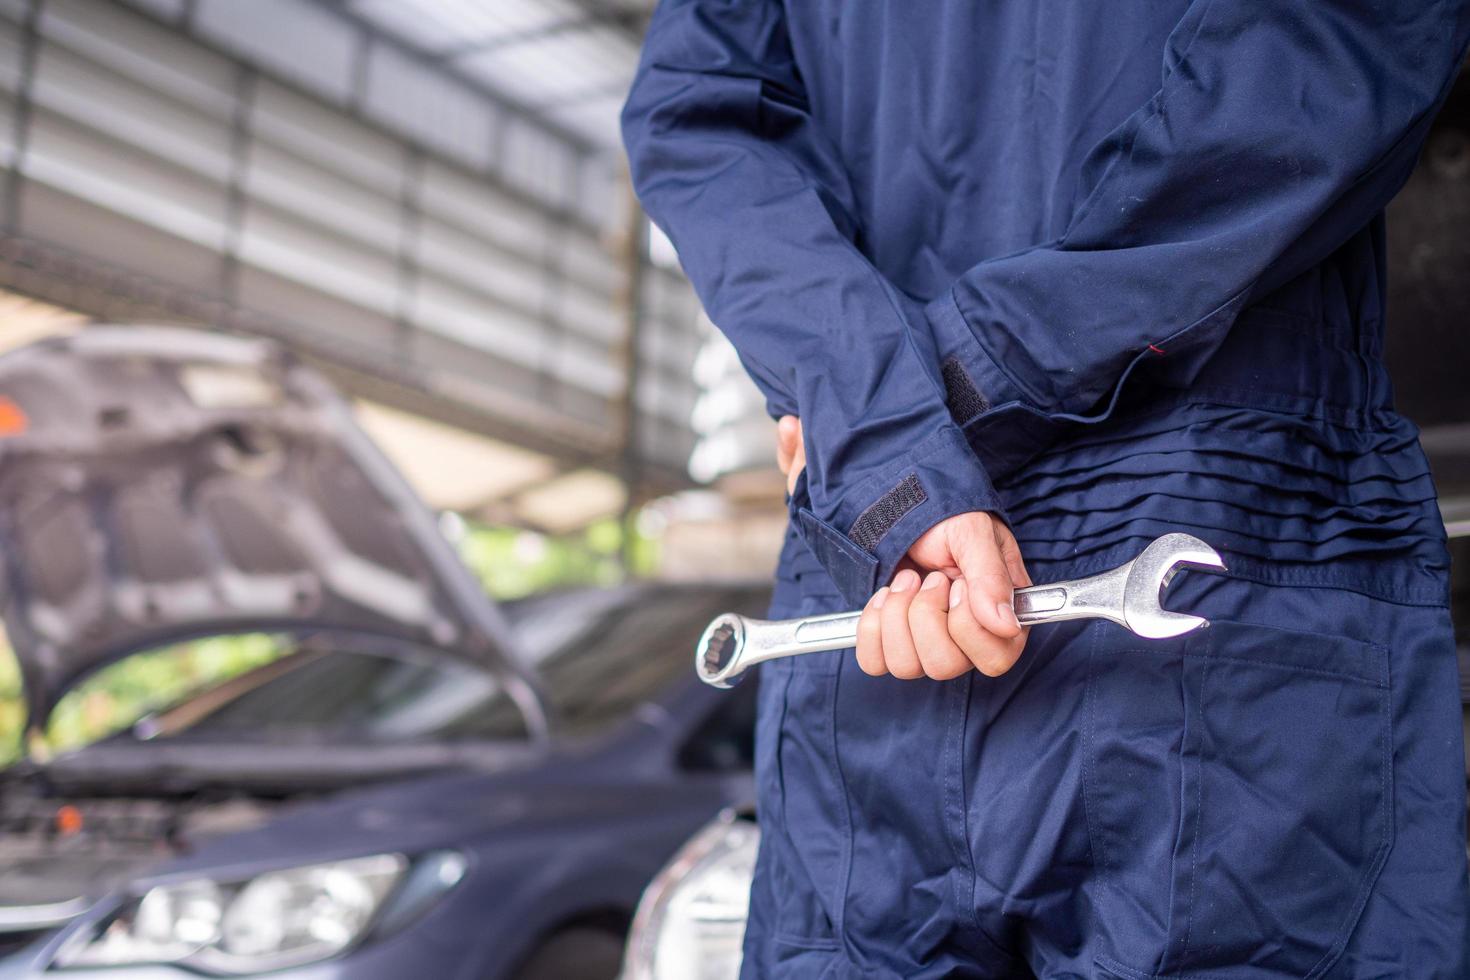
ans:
x=1281 y=128
x=726 y=158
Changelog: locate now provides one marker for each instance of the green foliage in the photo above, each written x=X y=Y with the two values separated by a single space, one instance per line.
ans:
x=118 y=695
x=12 y=708
x=513 y=563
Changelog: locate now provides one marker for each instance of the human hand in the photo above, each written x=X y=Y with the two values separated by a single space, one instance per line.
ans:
x=949 y=607
x=955 y=617
x=790 y=450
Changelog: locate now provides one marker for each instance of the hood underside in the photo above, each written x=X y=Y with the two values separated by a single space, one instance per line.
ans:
x=160 y=483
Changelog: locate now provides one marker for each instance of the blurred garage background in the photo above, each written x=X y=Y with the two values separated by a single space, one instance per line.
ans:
x=426 y=201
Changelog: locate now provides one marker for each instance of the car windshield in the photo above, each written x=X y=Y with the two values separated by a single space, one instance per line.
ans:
x=343 y=695
x=601 y=653
x=632 y=650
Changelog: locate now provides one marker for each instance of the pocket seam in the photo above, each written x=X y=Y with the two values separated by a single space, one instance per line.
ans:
x=1199 y=817
x=840 y=899
x=1379 y=661
x=1380 y=857
x=956 y=818
x=820 y=945
x=817 y=943
x=1099 y=852
x=1125 y=971
x=1294 y=668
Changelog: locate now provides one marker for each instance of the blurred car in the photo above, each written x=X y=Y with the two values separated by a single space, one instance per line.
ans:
x=423 y=784
x=691 y=919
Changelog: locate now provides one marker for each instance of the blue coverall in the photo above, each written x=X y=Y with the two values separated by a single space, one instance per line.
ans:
x=1109 y=269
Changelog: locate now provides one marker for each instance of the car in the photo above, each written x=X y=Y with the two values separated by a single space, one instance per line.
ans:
x=418 y=781
x=691 y=919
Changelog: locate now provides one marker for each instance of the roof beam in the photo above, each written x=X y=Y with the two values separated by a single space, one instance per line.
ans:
x=581 y=96
x=629 y=17
x=510 y=39
x=514 y=107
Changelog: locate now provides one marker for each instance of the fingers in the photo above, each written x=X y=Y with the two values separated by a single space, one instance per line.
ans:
x=788 y=437
x=798 y=459
x=923 y=626
x=982 y=621
x=1010 y=553
x=899 y=654
x=885 y=643
x=928 y=623
x=790 y=450
x=992 y=655
x=988 y=584
x=870 y=635
x=904 y=630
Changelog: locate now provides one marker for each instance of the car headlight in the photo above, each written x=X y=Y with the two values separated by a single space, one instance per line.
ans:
x=691 y=921
x=271 y=921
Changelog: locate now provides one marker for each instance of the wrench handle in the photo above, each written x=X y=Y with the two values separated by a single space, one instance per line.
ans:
x=732 y=643
x=1038 y=603
x=1127 y=595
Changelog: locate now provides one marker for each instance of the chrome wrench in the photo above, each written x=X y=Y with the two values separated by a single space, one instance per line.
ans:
x=1127 y=595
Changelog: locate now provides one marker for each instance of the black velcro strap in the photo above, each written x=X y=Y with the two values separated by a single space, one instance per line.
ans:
x=961 y=397
x=886 y=511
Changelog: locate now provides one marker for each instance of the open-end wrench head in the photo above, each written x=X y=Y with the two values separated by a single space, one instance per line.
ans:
x=1151 y=572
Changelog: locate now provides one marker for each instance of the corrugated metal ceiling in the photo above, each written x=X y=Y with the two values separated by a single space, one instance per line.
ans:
x=569 y=61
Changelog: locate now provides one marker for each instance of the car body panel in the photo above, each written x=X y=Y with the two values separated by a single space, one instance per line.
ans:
x=159 y=483
x=575 y=834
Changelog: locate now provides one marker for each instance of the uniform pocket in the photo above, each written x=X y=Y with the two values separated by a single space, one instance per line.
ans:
x=808 y=796
x=1238 y=784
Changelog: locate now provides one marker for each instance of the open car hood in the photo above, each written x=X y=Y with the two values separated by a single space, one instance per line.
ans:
x=160 y=483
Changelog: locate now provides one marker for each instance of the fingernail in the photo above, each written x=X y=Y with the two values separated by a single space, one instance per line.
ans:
x=1007 y=613
x=907 y=579
x=933 y=581
x=956 y=593
x=880 y=598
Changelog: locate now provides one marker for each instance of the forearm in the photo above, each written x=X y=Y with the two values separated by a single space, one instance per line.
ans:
x=726 y=158
x=1280 y=129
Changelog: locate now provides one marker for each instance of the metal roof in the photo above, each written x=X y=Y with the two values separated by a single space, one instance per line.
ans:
x=291 y=168
x=567 y=61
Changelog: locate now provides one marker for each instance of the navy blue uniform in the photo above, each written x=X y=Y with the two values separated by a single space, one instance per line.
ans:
x=1108 y=269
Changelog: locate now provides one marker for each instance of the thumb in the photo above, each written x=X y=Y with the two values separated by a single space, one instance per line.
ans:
x=1010 y=552
x=987 y=579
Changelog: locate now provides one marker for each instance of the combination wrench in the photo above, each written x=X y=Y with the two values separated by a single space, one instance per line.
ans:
x=1127 y=595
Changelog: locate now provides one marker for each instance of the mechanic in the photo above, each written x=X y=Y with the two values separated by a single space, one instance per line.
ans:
x=1049 y=279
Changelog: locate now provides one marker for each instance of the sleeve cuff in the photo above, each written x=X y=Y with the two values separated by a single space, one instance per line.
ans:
x=886 y=515
x=1003 y=424
x=973 y=382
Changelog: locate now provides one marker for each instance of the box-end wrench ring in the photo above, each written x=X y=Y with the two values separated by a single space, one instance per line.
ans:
x=1127 y=595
